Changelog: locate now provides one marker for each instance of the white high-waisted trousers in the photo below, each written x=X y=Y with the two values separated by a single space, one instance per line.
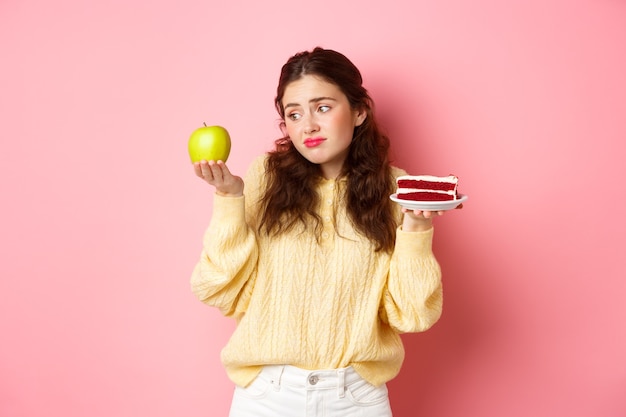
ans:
x=287 y=391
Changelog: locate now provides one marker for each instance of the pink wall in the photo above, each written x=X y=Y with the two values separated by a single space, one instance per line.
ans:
x=102 y=218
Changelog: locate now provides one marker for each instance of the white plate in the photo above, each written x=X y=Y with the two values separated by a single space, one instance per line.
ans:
x=429 y=205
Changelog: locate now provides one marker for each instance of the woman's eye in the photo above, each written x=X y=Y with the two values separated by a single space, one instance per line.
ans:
x=323 y=109
x=294 y=116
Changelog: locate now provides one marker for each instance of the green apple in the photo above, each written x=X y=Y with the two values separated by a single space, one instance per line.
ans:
x=209 y=143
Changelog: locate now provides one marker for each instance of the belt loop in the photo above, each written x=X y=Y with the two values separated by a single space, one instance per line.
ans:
x=341 y=383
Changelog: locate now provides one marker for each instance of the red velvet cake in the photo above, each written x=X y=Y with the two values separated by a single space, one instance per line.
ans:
x=427 y=188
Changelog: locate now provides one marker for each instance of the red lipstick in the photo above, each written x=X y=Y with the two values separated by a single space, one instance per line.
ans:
x=313 y=142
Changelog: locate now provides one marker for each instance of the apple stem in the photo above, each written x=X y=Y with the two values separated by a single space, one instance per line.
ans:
x=204 y=123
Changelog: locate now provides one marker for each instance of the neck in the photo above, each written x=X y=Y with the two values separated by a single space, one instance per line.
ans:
x=331 y=172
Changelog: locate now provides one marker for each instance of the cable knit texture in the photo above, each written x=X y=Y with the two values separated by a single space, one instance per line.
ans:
x=314 y=304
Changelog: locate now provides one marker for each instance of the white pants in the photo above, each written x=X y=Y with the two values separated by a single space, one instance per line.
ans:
x=287 y=391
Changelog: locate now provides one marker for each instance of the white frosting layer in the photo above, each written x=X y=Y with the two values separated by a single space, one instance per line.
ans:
x=431 y=178
x=416 y=190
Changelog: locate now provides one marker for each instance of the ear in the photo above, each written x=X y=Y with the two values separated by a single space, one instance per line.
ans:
x=283 y=129
x=360 y=117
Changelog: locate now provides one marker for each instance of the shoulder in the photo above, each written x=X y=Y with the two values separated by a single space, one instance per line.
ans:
x=257 y=170
x=397 y=172
x=258 y=165
x=255 y=184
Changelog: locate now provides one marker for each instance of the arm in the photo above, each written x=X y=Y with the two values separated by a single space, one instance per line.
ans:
x=224 y=275
x=228 y=258
x=413 y=298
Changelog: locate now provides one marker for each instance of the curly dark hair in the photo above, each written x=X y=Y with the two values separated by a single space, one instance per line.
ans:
x=291 y=195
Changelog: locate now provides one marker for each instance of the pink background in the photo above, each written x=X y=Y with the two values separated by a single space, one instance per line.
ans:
x=102 y=217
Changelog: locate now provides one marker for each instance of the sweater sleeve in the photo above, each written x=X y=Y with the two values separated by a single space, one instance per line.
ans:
x=224 y=276
x=413 y=297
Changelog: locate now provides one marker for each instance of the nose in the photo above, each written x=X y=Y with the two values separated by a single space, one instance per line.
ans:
x=310 y=125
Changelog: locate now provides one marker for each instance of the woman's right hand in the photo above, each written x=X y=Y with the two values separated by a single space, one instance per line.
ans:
x=216 y=173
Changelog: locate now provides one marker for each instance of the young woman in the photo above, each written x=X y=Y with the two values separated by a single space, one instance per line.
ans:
x=321 y=270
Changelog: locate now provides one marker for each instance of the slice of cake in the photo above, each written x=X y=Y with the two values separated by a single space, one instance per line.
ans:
x=427 y=188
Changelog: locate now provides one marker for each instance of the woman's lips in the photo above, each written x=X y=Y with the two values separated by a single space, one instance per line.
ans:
x=313 y=142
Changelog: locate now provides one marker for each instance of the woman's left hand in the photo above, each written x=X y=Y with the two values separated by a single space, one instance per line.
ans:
x=423 y=213
x=418 y=220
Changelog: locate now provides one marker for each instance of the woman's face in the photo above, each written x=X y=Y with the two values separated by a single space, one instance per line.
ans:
x=320 y=122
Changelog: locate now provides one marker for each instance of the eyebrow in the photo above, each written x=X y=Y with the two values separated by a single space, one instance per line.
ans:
x=313 y=100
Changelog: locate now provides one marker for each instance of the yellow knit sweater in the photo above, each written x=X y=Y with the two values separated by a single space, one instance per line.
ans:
x=315 y=305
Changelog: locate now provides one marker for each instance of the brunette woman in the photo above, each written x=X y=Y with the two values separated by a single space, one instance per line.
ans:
x=321 y=270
